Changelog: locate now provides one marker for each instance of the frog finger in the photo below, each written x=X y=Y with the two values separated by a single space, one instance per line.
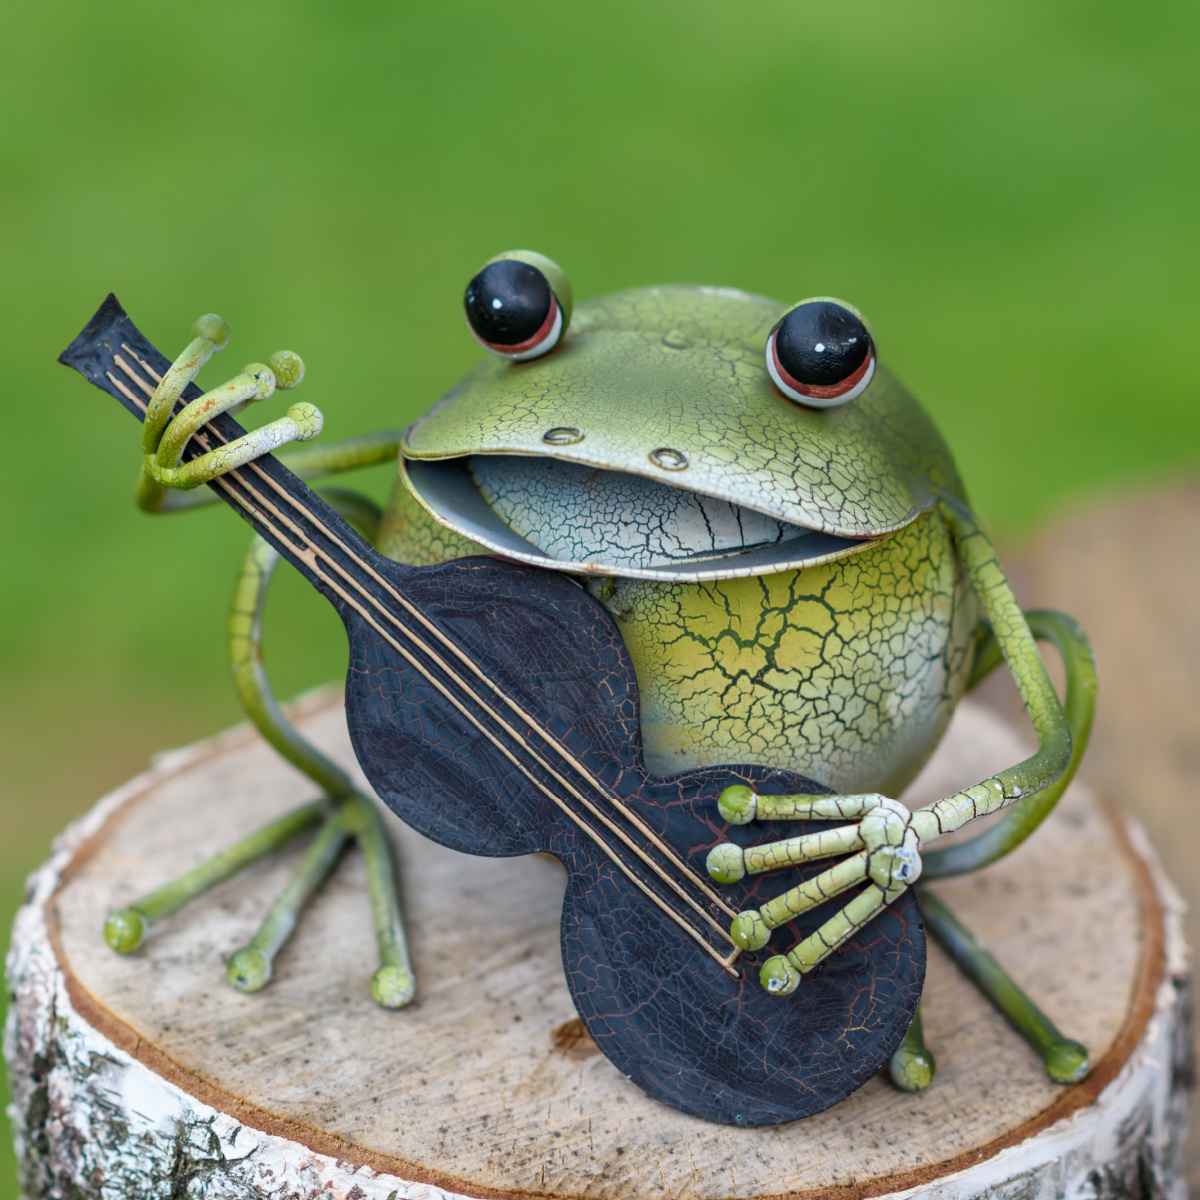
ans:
x=255 y=381
x=739 y=805
x=727 y=862
x=210 y=333
x=781 y=974
x=302 y=423
x=751 y=929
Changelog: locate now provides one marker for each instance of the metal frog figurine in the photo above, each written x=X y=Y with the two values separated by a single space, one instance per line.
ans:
x=782 y=540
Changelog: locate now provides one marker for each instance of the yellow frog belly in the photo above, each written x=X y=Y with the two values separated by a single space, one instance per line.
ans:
x=846 y=672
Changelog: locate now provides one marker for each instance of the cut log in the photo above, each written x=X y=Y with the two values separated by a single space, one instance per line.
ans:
x=148 y=1077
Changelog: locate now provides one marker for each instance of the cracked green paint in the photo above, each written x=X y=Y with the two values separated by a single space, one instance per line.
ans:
x=682 y=368
x=847 y=671
x=845 y=668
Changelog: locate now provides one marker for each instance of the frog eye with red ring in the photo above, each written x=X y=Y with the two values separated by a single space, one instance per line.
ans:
x=820 y=353
x=519 y=305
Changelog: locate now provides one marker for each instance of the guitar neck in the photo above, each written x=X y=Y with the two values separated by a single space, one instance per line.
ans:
x=112 y=353
x=385 y=606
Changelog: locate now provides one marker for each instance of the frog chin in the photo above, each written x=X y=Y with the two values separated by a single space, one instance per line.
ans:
x=588 y=521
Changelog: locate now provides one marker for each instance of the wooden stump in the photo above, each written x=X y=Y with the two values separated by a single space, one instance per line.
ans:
x=149 y=1077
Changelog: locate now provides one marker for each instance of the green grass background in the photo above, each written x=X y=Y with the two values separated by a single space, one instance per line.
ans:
x=1007 y=190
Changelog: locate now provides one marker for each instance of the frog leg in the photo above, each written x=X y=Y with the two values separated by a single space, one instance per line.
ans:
x=344 y=814
x=912 y=1065
x=1065 y=1059
x=1067 y=637
x=884 y=847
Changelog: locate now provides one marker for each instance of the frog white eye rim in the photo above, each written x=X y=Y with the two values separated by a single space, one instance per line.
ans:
x=542 y=342
x=518 y=305
x=816 y=396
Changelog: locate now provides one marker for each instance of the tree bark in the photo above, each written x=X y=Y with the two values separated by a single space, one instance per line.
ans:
x=147 y=1077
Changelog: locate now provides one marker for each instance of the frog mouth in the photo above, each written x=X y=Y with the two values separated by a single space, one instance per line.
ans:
x=585 y=520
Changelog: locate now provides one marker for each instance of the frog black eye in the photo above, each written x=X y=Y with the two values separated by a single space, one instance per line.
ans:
x=519 y=305
x=820 y=354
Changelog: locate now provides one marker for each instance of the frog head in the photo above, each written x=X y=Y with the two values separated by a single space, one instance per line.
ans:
x=675 y=432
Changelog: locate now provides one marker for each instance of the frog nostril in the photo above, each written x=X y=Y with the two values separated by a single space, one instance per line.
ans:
x=668 y=459
x=562 y=435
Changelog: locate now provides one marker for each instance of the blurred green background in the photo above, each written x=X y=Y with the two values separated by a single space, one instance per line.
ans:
x=1008 y=191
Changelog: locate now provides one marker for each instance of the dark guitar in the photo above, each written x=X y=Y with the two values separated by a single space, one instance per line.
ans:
x=493 y=708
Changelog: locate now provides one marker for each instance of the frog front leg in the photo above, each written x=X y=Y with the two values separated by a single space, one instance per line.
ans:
x=882 y=843
x=343 y=815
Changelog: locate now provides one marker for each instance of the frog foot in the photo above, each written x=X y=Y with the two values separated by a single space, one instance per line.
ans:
x=166 y=432
x=880 y=847
x=249 y=968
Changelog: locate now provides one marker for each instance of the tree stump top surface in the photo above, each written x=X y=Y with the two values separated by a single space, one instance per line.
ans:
x=488 y=1084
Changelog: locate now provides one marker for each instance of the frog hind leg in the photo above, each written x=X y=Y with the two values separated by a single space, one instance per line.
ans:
x=342 y=816
x=1064 y=1059
x=912 y=1066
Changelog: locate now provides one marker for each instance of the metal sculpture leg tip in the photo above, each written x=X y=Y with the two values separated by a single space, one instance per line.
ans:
x=1067 y=1061
x=912 y=1070
x=393 y=987
x=124 y=930
x=248 y=969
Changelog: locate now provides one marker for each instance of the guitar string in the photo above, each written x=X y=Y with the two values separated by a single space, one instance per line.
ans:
x=564 y=752
x=309 y=556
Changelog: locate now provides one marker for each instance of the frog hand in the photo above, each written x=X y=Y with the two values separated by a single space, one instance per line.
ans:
x=166 y=433
x=882 y=848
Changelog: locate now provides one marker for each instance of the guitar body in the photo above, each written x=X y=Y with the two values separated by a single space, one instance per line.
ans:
x=494 y=708
x=661 y=1008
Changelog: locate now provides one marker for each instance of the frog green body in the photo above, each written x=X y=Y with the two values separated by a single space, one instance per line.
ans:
x=802 y=587
x=846 y=669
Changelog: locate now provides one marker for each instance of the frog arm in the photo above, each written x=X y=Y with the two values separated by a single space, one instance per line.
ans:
x=1029 y=790
x=1065 y=634
x=883 y=839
